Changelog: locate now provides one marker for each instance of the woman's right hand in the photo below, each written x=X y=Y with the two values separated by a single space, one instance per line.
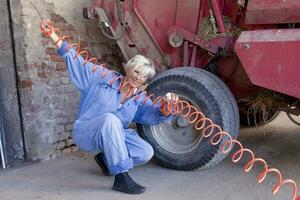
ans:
x=48 y=30
x=46 y=27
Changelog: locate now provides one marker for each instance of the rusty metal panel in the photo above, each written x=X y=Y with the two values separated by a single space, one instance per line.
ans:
x=157 y=17
x=271 y=59
x=273 y=11
x=187 y=14
x=160 y=17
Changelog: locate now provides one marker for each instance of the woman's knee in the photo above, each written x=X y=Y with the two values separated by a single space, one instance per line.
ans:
x=111 y=119
x=147 y=153
x=112 y=128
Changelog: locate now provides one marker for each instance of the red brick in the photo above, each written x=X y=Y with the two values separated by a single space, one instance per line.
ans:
x=42 y=74
x=45 y=41
x=26 y=83
x=69 y=27
x=63 y=26
x=51 y=51
x=57 y=18
x=61 y=67
x=56 y=58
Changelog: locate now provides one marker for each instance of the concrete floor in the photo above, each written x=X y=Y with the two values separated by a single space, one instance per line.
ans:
x=77 y=177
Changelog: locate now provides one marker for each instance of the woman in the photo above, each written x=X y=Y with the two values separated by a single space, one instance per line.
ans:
x=106 y=110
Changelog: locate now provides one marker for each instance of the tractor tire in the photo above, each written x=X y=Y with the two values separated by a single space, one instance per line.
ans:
x=177 y=145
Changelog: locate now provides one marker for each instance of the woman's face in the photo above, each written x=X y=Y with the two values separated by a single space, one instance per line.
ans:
x=136 y=78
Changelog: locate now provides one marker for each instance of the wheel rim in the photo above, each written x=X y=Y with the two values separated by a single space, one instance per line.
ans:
x=178 y=137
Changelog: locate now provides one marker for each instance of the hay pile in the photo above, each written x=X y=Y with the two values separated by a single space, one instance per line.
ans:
x=206 y=31
x=263 y=105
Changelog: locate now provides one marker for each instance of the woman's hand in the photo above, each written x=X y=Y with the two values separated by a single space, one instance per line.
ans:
x=47 y=29
x=166 y=103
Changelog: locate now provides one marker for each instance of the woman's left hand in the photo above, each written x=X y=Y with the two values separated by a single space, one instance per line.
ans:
x=166 y=103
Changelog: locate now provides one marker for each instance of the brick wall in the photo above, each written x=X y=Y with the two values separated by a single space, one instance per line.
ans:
x=48 y=98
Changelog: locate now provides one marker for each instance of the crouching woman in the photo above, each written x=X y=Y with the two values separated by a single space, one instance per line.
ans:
x=109 y=103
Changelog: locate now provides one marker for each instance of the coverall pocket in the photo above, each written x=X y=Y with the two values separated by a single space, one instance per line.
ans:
x=104 y=94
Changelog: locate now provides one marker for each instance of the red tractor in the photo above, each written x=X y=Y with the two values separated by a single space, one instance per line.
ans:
x=235 y=60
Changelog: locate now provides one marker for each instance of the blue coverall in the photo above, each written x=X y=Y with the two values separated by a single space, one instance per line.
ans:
x=102 y=121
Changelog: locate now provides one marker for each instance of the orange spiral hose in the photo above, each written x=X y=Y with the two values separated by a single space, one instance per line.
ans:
x=190 y=112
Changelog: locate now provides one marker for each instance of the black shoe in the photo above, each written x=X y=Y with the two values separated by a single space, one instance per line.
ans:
x=99 y=160
x=124 y=183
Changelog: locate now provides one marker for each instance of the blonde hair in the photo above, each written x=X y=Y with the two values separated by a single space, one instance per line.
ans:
x=144 y=64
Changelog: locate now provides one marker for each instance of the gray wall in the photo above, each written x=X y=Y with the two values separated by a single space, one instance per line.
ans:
x=8 y=89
